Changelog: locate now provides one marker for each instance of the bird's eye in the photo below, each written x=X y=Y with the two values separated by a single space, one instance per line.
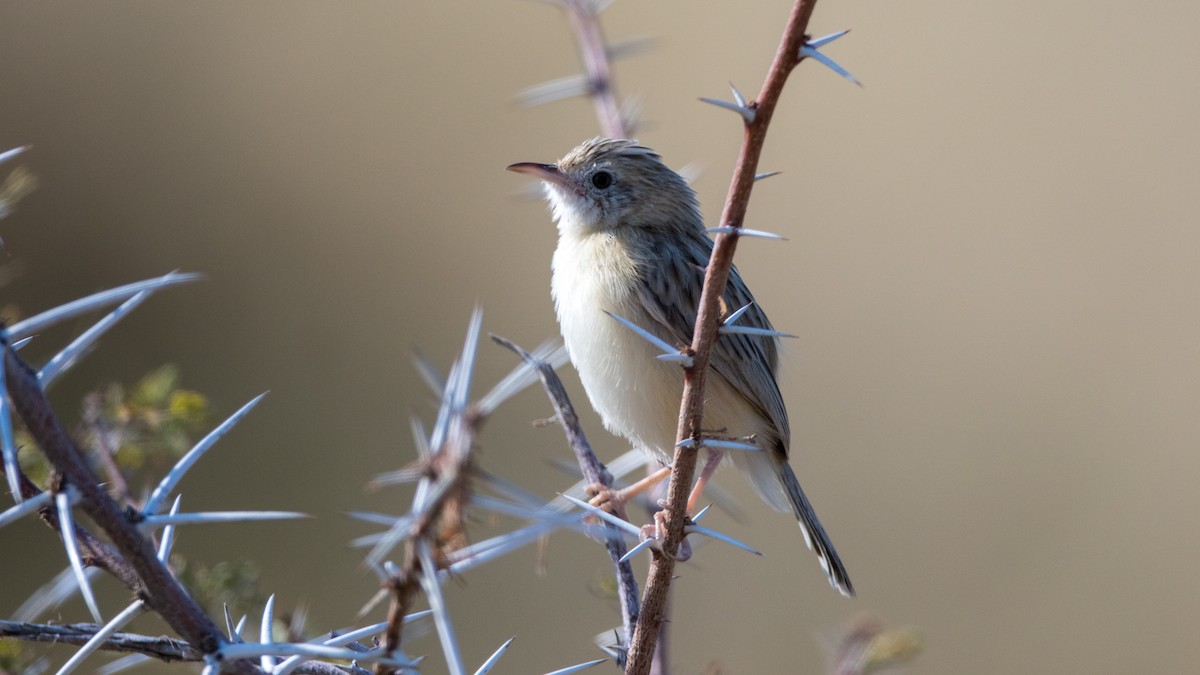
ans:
x=602 y=179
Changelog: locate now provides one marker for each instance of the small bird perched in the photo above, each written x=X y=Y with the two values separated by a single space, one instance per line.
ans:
x=631 y=242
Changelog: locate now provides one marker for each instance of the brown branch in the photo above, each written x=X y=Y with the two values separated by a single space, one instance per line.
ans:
x=154 y=580
x=595 y=473
x=441 y=523
x=403 y=587
x=692 y=407
x=593 y=51
x=95 y=553
x=160 y=647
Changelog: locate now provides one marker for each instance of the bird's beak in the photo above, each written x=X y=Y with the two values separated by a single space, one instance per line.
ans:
x=546 y=172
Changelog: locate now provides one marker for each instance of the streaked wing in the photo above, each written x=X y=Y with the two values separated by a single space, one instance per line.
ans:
x=669 y=289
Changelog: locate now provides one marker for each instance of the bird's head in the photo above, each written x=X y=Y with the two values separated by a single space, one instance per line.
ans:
x=605 y=185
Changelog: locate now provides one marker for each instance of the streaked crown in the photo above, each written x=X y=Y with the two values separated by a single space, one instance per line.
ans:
x=608 y=184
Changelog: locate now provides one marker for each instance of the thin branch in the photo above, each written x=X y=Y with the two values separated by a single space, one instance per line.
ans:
x=434 y=526
x=159 y=647
x=595 y=56
x=594 y=472
x=706 y=331
x=96 y=553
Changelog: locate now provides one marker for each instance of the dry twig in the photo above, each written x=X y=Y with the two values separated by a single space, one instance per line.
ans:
x=595 y=472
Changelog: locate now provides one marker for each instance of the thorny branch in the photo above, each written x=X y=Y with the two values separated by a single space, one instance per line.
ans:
x=594 y=53
x=440 y=526
x=154 y=581
x=594 y=472
x=439 y=507
x=691 y=410
x=95 y=552
x=160 y=647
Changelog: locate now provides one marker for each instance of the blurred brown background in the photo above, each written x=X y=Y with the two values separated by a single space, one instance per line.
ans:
x=991 y=268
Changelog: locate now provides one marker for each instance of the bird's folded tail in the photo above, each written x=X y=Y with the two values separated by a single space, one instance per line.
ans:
x=814 y=534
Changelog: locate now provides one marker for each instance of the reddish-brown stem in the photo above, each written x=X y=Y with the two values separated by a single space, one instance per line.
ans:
x=662 y=568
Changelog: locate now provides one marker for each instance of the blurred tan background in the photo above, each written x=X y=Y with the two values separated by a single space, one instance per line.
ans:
x=991 y=269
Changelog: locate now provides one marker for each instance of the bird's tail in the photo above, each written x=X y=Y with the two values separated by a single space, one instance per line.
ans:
x=814 y=534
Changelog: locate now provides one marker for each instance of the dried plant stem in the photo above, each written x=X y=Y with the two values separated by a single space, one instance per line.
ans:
x=593 y=51
x=403 y=587
x=595 y=472
x=159 y=647
x=445 y=490
x=684 y=466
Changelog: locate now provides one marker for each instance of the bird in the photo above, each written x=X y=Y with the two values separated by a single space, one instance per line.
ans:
x=632 y=243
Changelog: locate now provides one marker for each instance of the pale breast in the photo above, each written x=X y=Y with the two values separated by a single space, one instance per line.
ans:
x=636 y=395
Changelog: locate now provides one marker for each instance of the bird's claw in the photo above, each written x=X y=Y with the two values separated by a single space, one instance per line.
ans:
x=657 y=531
x=604 y=497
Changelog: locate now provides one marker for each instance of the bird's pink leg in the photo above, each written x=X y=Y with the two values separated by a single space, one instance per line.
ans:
x=616 y=498
x=710 y=467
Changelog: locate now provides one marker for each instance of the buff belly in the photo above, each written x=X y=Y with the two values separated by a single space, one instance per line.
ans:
x=636 y=395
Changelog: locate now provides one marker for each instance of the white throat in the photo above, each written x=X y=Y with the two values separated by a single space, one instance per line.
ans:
x=572 y=213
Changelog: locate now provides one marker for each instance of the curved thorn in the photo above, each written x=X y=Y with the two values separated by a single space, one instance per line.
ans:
x=745 y=232
x=604 y=515
x=641 y=546
x=39 y=322
x=8 y=446
x=66 y=524
x=575 y=669
x=731 y=445
x=168 y=535
x=653 y=339
x=747 y=114
x=817 y=43
x=15 y=513
x=810 y=52
x=737 y=96
x=211 y=517
x=229 y=623
x=554 y=90
x=168 y=483
x=441 y=614
x=495 y=657
x=682 y=359
x=729 y=320
x=725 y=538
x=751 y=330
x=9 y=154
x=631 y=47
x=264 y=632
x=101 y=636
x=66 y=358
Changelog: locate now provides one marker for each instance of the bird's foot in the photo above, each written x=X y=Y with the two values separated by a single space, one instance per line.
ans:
x=657 y=532
x=604 y=497
x=614 y=501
